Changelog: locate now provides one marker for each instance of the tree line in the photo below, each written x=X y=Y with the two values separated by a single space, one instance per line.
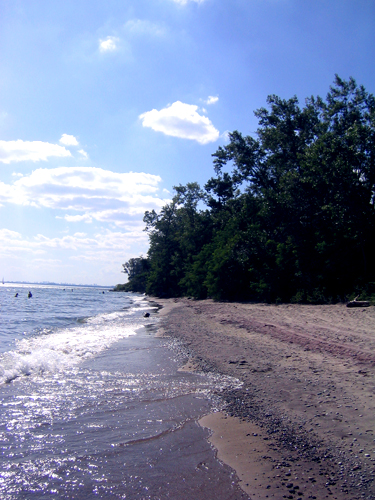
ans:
x=287 y=216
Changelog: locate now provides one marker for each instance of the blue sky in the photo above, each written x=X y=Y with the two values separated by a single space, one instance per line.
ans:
x=105 y=106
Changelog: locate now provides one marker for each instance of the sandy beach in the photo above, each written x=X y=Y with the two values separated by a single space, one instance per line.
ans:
x=303 y=423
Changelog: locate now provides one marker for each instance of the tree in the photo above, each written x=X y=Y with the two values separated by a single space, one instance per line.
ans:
x=289 y=213
x=137 y=271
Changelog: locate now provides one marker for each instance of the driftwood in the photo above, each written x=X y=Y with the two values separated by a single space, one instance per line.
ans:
x=358 y=303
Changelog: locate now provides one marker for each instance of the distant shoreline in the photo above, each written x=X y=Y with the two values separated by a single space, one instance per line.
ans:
x=54 y=284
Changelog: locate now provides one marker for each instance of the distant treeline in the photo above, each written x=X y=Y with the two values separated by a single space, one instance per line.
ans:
x=288 y=215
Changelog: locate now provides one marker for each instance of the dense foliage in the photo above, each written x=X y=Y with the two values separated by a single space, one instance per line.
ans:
x=137 y=270
x=288 y=216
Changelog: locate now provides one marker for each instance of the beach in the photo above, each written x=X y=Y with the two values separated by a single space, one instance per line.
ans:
x=302 y=425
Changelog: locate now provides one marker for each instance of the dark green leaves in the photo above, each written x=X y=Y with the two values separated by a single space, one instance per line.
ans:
x=290 y=213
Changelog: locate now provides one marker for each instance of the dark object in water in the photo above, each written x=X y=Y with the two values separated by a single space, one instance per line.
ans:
x=103 y=291
x=16 y=294
x=146 y=315
x=358 y=303
x=29 y=295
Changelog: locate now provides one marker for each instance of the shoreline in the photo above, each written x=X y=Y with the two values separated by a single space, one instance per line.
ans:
x=302 y=425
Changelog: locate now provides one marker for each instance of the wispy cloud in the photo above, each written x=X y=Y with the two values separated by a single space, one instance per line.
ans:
x=3 y=117
x=11 y=241
x=83 y=153
x=16 y=151
x=109 y=44
x=211 y=100
x=55 y=258
x=97 y=194
x=68 y=140
x=143 y=27
x=79 y=218
x=120 y=43
x=181 y=120
x=184 y=2
x=105 y=246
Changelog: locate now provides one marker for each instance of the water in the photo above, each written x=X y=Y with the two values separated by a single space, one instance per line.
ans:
x=92 y=404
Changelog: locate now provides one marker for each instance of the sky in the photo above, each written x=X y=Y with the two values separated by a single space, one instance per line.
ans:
x=106 y=105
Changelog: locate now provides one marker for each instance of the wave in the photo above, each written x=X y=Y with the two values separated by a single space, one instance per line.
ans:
x=55 y=350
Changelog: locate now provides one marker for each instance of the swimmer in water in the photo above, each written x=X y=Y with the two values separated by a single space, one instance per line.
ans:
x=29 y=295
x=16 y=294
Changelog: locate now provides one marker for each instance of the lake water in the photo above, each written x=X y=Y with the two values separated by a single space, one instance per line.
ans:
x=92 y=404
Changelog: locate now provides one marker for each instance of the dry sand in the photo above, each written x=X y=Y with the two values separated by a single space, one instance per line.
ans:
x=303 y=423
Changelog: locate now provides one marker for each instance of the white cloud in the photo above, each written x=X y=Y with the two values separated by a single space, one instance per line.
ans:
x=8 y=234
x=98 y=194
x=109 y=44
x=16 y=151
x=68 y=140
x=79 y=218
x=143 y=26
x=93 y=247
x=83 y=153
x=181 y=120
x=71 y=258
x=211 y=100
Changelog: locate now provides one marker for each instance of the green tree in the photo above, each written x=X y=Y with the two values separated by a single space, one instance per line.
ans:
x=137 y=270
x=289 y=214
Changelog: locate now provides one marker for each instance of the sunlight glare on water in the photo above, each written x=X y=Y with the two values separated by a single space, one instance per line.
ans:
x=92 y=403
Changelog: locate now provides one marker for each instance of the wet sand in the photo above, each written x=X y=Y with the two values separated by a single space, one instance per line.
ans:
x=303 y=423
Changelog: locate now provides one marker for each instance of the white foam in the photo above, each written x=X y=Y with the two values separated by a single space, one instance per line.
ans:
x=68 y=347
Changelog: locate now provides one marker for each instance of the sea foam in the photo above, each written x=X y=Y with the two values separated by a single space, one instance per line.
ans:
x=55 y=350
